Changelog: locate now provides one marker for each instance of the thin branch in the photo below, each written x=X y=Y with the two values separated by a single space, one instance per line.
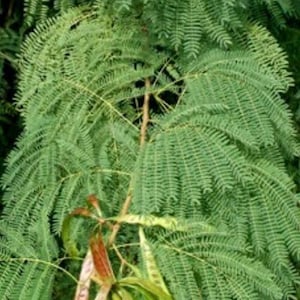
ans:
x=116 y=227
x=143 y=134
x=86 y=89
x=9 y=58
x=44 y=262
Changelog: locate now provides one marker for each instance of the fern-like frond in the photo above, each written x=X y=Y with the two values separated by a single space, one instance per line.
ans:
x=268 y=207
x=251 y=93
x=67 y=160
x=36 y=11
x=216 y=133
x=26 y=262
x=208 y=266
x=185 y=25
x=179 y=164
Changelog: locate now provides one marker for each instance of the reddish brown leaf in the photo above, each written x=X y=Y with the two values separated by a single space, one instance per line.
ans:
x=81 y=211
x=101 y=260
x=93 y=200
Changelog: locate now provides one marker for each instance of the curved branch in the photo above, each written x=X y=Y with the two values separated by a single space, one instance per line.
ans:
x=143 y=135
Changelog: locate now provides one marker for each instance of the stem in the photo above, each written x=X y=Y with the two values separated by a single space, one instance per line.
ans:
x=143 y=134
x=116 y=227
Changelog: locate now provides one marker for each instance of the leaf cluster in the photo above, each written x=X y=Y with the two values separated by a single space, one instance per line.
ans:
x=214 y=157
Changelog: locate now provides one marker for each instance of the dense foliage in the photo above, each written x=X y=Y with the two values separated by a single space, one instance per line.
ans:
x=171 y=113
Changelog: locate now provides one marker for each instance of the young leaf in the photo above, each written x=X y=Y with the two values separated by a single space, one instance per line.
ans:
x=143 y=285
x=104 y=272
x=169 y=223
x=150 y=263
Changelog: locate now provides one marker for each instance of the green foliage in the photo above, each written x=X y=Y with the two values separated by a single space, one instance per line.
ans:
x=185 y=25
x=203 y=265
x=17 y=18
x=214 y=158
x=39 y=10
x=289 y=40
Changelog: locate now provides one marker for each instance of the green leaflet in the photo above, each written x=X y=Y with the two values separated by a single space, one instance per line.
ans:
x=169 y=223
x=121 y=294
x=145 y=287
x=69 y=244
x=152 y=269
